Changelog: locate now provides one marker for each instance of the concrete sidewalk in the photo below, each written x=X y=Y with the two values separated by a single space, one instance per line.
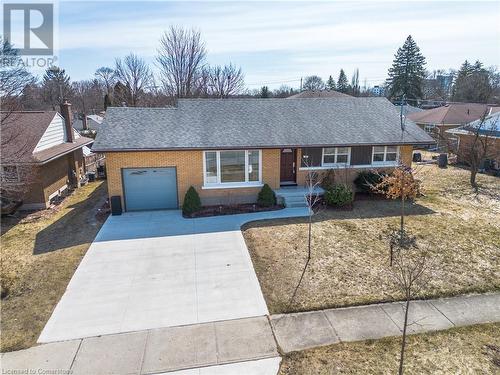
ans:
x=310 y=329
x=156 y=351
x=247 y=343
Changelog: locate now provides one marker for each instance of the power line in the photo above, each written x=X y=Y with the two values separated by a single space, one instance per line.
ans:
x=273 y=82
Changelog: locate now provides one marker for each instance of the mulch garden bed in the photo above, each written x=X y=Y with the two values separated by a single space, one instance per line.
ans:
x=232 y=210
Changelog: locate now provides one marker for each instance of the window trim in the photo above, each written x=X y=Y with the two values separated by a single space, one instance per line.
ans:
x=240 y=184
x=335 y=164
x=385 y=162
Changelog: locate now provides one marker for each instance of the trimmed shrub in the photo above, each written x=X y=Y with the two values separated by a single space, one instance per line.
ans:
x=266 y=197
x=339 y=195
x=366 y=179
x=192 y=202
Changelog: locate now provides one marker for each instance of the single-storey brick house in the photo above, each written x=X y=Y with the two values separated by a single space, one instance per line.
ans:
x=484 y=137
x=41 y=156
x=228 y=148
x=437 y=121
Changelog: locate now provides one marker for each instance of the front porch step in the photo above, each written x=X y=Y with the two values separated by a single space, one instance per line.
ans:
x=295 y=197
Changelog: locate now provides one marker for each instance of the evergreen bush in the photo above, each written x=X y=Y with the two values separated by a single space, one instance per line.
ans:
x=339 y=195
x=266 y=197
x=192 y=202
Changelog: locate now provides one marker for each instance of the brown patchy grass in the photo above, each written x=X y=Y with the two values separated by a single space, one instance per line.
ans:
x=40 y=253
x=465 y=350
x=350 y=255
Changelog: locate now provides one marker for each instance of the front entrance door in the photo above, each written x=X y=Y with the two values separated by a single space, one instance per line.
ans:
x=287 y=165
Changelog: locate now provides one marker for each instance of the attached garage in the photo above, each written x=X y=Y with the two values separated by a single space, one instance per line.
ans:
x=150 y=188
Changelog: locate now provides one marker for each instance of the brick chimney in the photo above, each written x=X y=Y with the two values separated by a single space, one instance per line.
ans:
x=66 y=113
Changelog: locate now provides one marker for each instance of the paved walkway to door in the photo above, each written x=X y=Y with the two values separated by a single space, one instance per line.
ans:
x=155 y=269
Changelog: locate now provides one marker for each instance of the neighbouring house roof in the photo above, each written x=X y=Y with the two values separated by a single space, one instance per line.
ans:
x=407 y=109
x=450 y=114
x=86 y=151
x=490 y=127
x=21 y=133
x=319 y=94
x=93 y=122
x=263 y=123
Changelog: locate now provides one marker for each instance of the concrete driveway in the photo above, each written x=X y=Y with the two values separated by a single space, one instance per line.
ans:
x=156 y=269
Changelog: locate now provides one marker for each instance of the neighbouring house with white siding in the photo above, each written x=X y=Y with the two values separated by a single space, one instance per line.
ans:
x=41 y=156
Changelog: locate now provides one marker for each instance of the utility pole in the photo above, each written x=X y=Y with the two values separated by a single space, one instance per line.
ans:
x=402 y=118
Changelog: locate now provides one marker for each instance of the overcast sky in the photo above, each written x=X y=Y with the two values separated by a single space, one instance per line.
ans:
x=278 y=42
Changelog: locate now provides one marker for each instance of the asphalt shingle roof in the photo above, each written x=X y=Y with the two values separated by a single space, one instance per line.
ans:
x=453 y=114
x=21 y=132
x=239 y=123
x=319 y=94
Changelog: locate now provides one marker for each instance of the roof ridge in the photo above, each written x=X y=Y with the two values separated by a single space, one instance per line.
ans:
x=51 y=111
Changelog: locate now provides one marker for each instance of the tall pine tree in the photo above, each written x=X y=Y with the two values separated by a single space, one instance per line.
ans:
x=342 y=82
x=472 y=84
x=330 y=84
x=406 y=76
x=55 y=86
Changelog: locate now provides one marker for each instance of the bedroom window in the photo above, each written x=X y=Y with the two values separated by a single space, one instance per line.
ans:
x=385 y=154
x=336 y=155
x=232 y=168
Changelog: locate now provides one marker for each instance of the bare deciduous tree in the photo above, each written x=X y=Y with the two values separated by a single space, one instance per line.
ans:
x=87 y=96
x=181 y=59
x=408 y=274
x=478 y=143
x=107 y=77
x=313 y=83
x=13 y=79
x=135 y=76
x=225 y=81
x=312 y=199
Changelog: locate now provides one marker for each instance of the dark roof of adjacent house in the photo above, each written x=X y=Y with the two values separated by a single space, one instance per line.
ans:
x=263 y=123
x=318 y=94
x=21 y=132
x=489 y=127
x=450 y=114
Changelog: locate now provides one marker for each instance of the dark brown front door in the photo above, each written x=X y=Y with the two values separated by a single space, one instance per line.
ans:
x=287 y=165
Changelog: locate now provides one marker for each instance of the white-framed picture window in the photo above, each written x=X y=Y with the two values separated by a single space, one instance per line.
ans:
x=333 y=156
x=228 y=168
x=9 y=173
x=385 y=154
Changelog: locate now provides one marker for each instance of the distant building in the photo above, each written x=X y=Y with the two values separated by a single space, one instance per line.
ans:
x=378 y=90
x=438 y=87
